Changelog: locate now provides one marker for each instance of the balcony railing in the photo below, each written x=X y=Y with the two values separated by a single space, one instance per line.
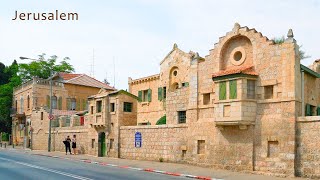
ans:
x=39 y=81
x=16 y=113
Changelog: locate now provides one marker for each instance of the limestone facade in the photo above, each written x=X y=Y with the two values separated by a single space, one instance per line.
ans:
x=69 y=93
x=240 y=104
x=107 y=112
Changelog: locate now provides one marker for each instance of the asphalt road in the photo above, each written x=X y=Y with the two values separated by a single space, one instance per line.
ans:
x=17 y=165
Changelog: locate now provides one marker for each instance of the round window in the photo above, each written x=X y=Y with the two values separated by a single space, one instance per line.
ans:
x=237 y=56
x=175 y=73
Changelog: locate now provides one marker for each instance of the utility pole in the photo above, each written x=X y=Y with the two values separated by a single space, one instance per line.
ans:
x=50 y=113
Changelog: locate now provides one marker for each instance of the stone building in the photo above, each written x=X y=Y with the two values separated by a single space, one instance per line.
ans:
x=107 y=112
x=237 y=108
x=97 y=130
x=70 y=93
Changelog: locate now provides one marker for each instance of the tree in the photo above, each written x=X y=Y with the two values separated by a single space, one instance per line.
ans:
x=6 y=93
x=302 y=54
x=42 y=67
x=3 y=75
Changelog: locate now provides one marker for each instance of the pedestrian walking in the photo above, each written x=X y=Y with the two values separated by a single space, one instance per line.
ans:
x=66 y=143
x=74 y=144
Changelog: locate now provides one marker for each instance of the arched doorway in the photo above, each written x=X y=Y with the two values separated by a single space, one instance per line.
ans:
x=102 y=144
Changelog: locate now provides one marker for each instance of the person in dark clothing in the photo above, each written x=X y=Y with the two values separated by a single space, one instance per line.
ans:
x=74 y=144
x=67 y=144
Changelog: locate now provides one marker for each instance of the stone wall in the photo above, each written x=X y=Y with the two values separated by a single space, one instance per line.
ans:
x=308 y=151
x=163 y=141
x=58 y=134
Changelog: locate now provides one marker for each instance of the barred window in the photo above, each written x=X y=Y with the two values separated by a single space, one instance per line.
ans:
x=182 y=117
x=127 y=107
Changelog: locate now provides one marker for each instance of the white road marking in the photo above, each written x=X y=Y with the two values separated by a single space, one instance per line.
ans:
x=49 y=170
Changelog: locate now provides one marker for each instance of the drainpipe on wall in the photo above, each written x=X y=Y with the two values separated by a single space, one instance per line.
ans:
x=302 y=93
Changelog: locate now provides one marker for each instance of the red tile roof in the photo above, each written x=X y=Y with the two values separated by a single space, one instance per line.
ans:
x=83 y=80
x=66 y=76
x=236 y=70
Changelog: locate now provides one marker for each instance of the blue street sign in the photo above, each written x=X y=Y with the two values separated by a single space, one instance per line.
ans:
x=137 y=140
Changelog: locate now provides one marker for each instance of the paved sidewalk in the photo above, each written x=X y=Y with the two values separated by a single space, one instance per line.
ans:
x=156 y=167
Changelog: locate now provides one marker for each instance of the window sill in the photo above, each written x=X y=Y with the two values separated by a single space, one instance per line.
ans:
x=206 y=106
x=235 y=100
x=113 y=112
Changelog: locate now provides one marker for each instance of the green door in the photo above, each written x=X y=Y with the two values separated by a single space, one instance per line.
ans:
x=102 y=145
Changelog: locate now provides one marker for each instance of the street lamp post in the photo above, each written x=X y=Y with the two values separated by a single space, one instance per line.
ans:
x=50 y=111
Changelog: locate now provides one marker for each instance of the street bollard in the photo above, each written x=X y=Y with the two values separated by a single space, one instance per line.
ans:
x=5 y=145
x=1 y=144
x=12 y=145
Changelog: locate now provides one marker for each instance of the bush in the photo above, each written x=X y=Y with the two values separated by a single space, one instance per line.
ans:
x=5 y=136
x=279 y=40
x=162 y=120
x=161 y=159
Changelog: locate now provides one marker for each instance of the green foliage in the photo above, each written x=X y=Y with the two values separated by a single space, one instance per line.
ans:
x=279 y=40
x=302 y=54
x=6 y=92
x=162 y=120
x=5 y=136
x=161 y=159
x=42 y=67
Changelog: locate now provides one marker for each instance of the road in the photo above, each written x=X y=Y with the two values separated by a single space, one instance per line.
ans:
x=17 y=165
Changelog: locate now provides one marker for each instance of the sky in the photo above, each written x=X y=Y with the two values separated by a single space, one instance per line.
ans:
x=130 y=38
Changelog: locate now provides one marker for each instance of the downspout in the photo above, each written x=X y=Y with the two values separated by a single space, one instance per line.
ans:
x=108 y=118
x=302 y=94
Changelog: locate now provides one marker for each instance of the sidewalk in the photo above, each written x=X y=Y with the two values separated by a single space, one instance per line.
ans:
x=156 y=167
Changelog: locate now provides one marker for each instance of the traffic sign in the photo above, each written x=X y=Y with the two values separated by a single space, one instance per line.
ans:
x=51 y=117
x=138 y=140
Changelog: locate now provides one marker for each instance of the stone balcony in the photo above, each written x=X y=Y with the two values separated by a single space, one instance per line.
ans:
x=235 y=113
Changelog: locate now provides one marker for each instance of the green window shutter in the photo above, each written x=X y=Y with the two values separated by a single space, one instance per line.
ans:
x=48 y=101
x=78 y=103
x=160 y=93
x=222 y=91
x=186 y=84
x=84 y=104
x=308 y=110
x=68 y=104
x=140 y=96
x=233 y=89
x=318 y=111
x=60 y=103
x=149 y=95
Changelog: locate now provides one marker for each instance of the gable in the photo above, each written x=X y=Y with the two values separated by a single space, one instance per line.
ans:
x=85 y=80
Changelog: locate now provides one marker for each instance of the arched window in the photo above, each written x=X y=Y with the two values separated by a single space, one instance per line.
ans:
x=28 y=102
x=73 y=104
x=54 y=102
x=21 y=104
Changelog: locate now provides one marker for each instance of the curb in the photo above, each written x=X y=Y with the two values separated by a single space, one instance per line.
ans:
x=133 y=168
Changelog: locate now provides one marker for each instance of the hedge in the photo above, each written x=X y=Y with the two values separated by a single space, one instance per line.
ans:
x=5 y=136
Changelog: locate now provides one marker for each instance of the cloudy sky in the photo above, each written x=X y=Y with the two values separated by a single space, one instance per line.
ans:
x=137 y=34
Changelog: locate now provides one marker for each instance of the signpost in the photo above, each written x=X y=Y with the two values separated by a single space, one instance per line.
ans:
x=51 y=117
x=138 y=140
